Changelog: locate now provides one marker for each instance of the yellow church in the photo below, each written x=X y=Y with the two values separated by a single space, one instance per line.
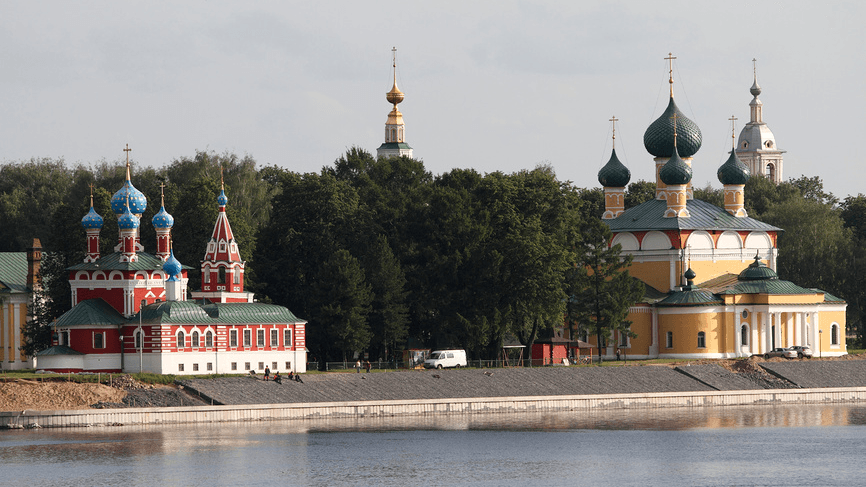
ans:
x=710 y=273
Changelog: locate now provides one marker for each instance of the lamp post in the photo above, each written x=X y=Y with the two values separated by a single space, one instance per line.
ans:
x=140 y=336
x=819 y=342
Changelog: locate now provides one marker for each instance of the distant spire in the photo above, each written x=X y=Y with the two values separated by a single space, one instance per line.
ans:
x=613 y=120
x=394 y=96
x=755 y=90
x=733 y=120
x=127 y=150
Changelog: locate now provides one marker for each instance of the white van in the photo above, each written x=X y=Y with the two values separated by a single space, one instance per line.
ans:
x=446 y=358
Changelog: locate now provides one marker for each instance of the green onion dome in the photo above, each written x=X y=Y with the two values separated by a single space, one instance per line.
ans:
x=757 y=271
x=690 y=274
x=659 y=136
x=733 y=171
x=614 y=174
x=675 y=171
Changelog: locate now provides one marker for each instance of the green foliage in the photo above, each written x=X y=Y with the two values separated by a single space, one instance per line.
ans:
x=710 y=195
x=639 y=192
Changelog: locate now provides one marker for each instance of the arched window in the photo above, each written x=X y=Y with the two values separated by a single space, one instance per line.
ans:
x=237 y=276
x=702 y=340
x=138 y=339
x=181 y=340
x=834 y=334
x=206 y=274
x=195 y=339
x=221 y=279
x=208 y=339
x=744 y=335
x=669 y=339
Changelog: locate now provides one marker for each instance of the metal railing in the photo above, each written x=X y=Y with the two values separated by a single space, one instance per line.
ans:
x=479 y=364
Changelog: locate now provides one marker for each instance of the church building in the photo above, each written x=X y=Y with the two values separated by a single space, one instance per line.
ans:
x=131 y=313
x=710 y=273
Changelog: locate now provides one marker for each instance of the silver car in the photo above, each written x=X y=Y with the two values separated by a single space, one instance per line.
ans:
x=781 y=352
x=803 y=351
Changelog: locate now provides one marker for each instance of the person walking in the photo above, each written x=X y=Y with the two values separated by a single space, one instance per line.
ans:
x=368 y=366
x=267 y=372
x=358 y=366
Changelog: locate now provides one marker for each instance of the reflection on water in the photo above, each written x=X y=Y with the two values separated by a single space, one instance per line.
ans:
x=707 y=446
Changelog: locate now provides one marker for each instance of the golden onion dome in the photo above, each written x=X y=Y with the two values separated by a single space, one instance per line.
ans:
x=394 y=96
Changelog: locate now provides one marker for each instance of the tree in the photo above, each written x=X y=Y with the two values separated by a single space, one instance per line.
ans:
x=639 y=192
x=710 y=195
x=603 y=289
x=389 y=314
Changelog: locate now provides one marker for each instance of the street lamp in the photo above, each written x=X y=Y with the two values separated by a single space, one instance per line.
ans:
x=139 y=335
x=819 y=342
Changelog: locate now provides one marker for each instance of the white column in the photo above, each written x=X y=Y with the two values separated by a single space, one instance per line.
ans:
x=789 y=326
x=816 y=327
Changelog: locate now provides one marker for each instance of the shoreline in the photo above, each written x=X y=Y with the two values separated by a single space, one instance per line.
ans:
x=425 y=407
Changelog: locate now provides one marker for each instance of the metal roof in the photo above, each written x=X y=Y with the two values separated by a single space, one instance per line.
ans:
x=13 y=272
x=250 y=313
x=58 y=350
x=111 y=262
x=690 y=297
x=91 y=312
x=704 y=216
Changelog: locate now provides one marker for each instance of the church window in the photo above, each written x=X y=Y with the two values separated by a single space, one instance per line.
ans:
x=195 y=339
x=248 y=338
x=834 y=334
x=221 y=279
x=246 y=366
x=260 y=338
x=233 y=338
x=206 y=275
x=287 y=338
x=208 y=339
x=274 y=365
x=669 y=339
x=138 y=339
x=181 y=340
x=623 y=339
x=702 y=340
x=262 y=365
x=99 y=340
x=288 y=366
x=237 y=276
x=393 y=135
x=180 y=367
x=275 y=339
x=234 y=366
x=210 y=366
x=195 y=367
x=744 y=334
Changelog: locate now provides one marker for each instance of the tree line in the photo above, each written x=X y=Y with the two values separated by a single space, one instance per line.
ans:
x=380 y=255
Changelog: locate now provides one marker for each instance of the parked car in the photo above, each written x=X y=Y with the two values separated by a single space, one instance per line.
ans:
x=446 y=358
x=803 y=351
x=781 y=352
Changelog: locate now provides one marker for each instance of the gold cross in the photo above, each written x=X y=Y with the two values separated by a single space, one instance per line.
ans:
x=91 y=194
x=127 y=150
x=733 y=119
x=222 y=183
x=670 y=60
x=162 y=190
x=614 y=120
x=755 y=67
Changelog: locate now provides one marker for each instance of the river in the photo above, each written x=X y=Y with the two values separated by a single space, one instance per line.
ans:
x=793 y=445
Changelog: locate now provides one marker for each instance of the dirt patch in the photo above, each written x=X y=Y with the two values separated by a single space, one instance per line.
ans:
x=43 y=396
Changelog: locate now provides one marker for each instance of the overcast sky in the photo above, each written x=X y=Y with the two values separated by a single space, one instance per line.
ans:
x=496 y=86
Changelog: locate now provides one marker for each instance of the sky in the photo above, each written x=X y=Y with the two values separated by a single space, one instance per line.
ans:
x=490 y=85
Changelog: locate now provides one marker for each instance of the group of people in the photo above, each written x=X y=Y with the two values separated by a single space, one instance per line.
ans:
x=367 y=366
x=278 y=378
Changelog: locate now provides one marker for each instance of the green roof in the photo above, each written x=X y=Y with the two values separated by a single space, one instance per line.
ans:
x=249 y=313
x=57 y=350
x=172 y=312
x=704 y=216
x=394 y=146
x=769 y=286
x=91 y=312
x=111 y=262
x=13 y=272
x=691 y=297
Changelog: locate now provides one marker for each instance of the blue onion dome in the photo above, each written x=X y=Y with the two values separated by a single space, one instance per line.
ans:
x=162 y=219
x=92 y=220
x=127 y=220
x=757 y=271
x=137 y=201
x=659 y=136
x=222 y=199
x=172 y=267
x=733 y=171
x=675 y=171
x=614 y=174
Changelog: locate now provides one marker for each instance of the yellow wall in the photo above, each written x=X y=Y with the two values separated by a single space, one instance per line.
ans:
x=656 y=274
x=685 y=328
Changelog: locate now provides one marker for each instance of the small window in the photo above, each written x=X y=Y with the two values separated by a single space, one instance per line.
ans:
x=98 y=340
x=210 y=366
x=181 y=340
x=221 y=278
x=208 y=339
x=237 y=276
x=260 y=338
x=138 y=339
x=234 y=366
x=246 y=366
x=180 y=367
x=745 y=313
x=195 y=339
x=744 y=335
x=233 y=338
x=834 y=334
x=623 y=339
x=702 y=340
x=195 y=367
x=669 y=339
x=288 y=366
x=206 y=274
x=262 y=365
x=273 y=366
x=248 y=338
x=287 y=338
x=275 y=338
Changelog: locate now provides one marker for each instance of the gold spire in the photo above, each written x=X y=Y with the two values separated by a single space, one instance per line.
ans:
x=394 y=96
x=91 y=195
x=222 y=182
x=127 y=150
x=162 y=195
x=670 y=60
x=675 y=127
x=613 y=121
x=733 y=120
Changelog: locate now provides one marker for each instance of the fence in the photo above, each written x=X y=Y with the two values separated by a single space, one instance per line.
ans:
x=479 y=364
